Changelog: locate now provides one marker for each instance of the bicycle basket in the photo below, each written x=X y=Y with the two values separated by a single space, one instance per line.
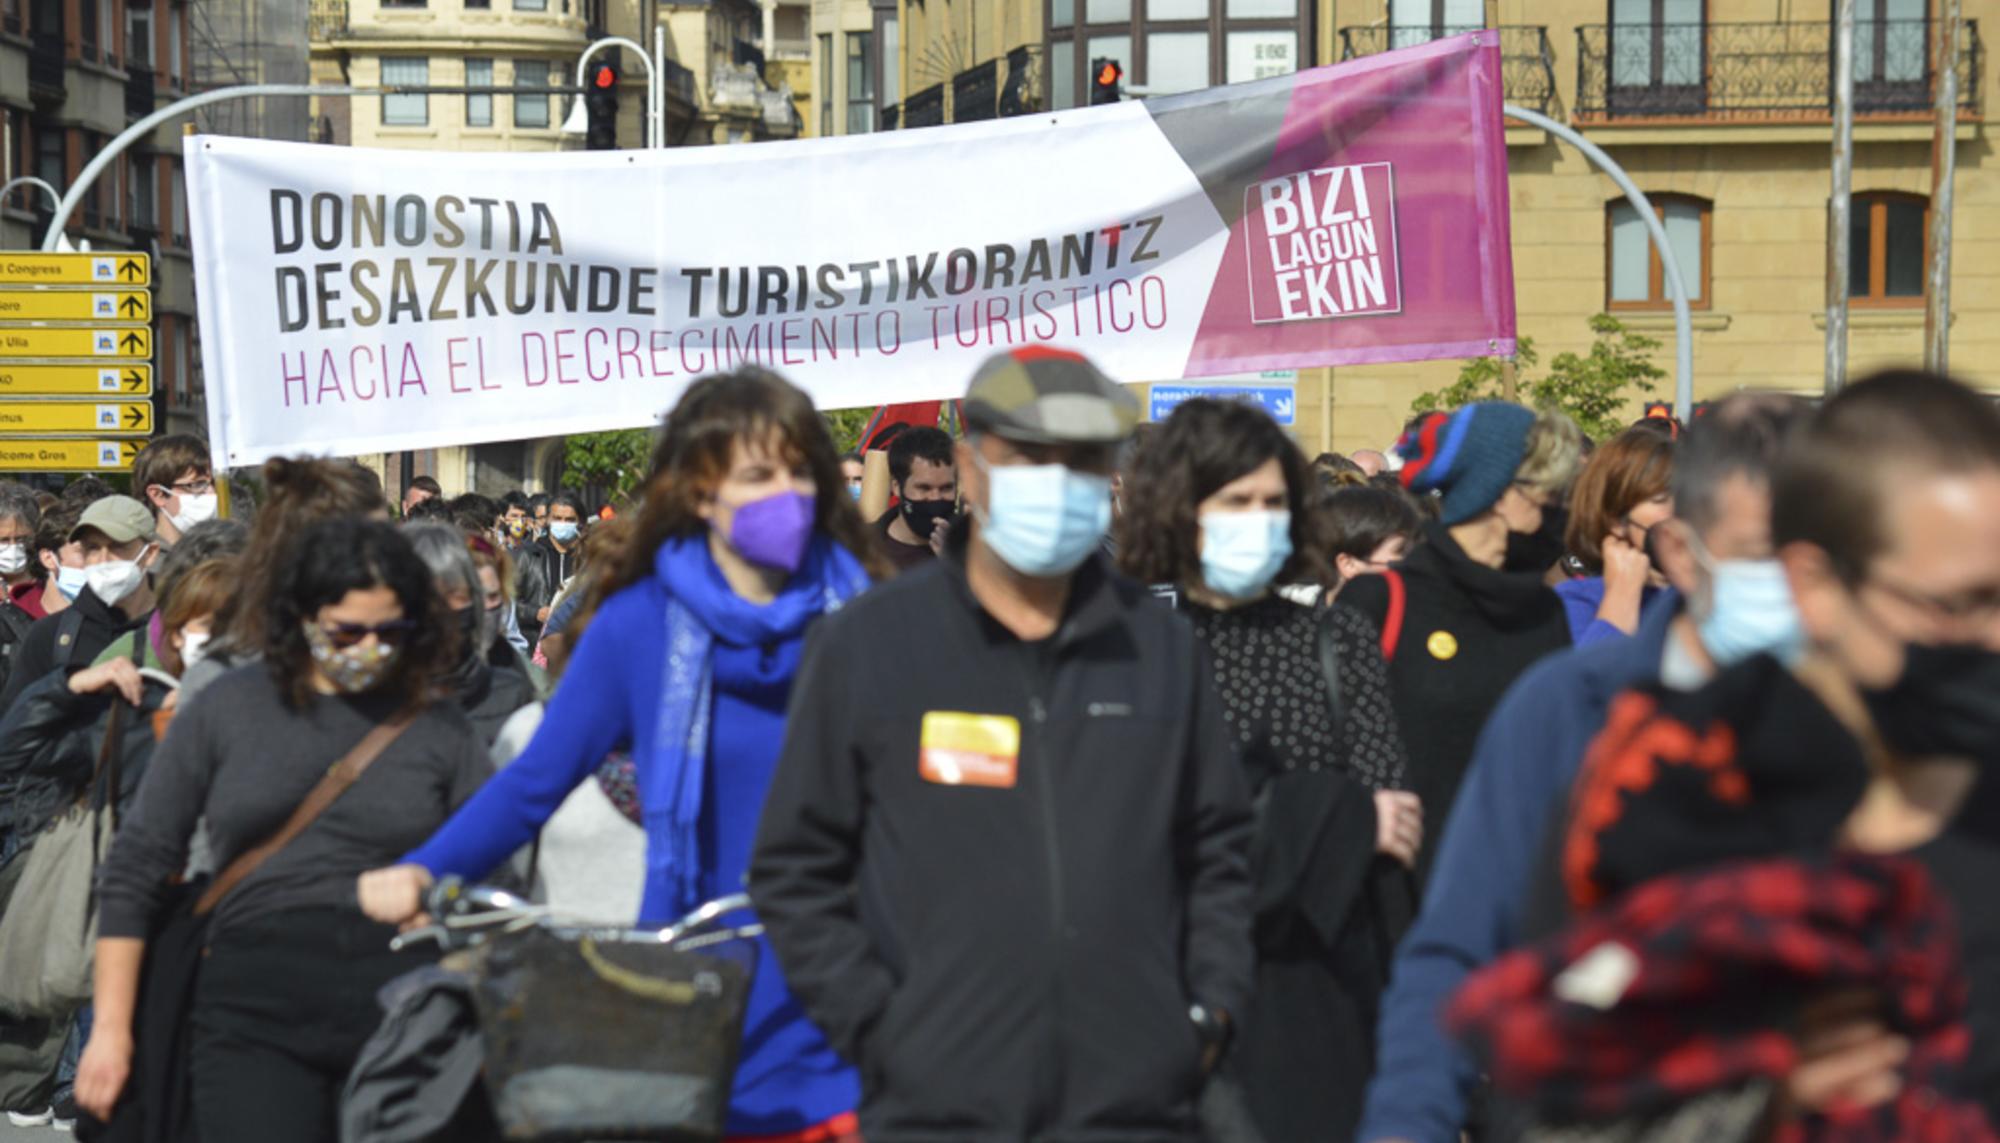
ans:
x=599 y=1039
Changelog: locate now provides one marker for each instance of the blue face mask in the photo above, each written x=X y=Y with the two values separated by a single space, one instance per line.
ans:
x=1043 y=520
x=71 y=581
x=1241 y=551
x=854 y=492
x=563 y=531
x=1750 y=612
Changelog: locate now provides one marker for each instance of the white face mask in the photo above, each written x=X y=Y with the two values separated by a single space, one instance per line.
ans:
x=13 y=559
x=194 y=648
x=194 y=510
x=1241 y=551
x=113 y=580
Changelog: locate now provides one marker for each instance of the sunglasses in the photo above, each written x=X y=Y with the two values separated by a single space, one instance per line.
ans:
x=345 y=635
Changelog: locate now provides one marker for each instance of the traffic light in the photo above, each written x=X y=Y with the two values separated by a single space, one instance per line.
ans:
x=1106 y=75
x=600 y=103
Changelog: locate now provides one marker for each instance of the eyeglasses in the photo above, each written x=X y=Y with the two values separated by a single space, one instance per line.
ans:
x=1974 y=608
x=348 y=634
x=193 y=487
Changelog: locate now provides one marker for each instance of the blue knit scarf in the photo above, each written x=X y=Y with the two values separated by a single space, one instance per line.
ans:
x=701 y=608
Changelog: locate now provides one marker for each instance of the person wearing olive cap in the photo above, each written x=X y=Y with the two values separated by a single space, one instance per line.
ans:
x=120 y=543
x=1014 y=890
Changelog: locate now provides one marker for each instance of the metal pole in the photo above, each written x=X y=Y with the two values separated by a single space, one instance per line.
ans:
x=48 y=188
x=1840 y=206
x=659 y=138
x=652 y=79
x=1670 y=267
x=1944 y=165
x=146 y=126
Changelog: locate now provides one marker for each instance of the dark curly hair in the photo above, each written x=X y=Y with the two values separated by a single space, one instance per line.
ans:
x=693 y=456
x=301 y=492
x=322 y=564
x=1205 y=445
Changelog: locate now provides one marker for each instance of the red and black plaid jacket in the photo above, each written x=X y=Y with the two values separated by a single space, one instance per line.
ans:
x=1691 y=983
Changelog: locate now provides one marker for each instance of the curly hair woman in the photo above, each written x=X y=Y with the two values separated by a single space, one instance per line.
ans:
x=1219 y=508
x=747 y=536
x=353 y=639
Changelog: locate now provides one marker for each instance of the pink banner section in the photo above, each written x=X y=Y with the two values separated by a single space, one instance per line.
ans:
x=1378 y=229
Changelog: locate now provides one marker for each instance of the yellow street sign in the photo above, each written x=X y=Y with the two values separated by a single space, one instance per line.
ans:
x=75 y=305
x=66 y=456
x=120 y=417
x=114 y=269
x=50 y=341
x=75 y=380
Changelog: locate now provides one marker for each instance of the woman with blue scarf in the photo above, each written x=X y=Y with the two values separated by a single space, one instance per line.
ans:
x=746 y=536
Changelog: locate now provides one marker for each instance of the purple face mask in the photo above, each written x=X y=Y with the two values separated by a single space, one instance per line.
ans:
x=774 y=531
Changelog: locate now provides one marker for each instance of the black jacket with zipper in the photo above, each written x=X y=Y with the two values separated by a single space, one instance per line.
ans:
x=1010 y=963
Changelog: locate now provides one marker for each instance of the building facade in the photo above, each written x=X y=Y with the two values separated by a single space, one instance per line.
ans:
x=1720 y=110
x=73 y=75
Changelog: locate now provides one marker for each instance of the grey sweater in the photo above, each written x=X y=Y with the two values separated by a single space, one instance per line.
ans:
x=240 y=758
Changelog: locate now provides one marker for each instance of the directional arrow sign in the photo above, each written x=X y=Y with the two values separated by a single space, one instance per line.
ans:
x=75 y=305
x=18 y=269
x=119 y=418
x=75 y=380
x=45 y=341
x=1281 y=401
x=66 y=456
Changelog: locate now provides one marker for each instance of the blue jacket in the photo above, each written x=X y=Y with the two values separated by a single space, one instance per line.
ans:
x=787 y=1077
x=1527 y=758
x=1581 y=599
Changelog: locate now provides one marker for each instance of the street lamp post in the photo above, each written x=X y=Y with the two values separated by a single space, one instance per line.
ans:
x=654 y=107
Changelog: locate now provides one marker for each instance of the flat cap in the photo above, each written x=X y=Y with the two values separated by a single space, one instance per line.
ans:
x=1049 y=396
x=121 y=518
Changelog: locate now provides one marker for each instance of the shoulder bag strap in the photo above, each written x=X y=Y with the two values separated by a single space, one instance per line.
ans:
x=67 y=629
x=1392 y=623
x=342 y=775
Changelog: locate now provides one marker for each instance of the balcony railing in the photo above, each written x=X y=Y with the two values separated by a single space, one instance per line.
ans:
x=45 y=63
x=1527 y=62
x=326 y=20
x=1737 y=71
x=139 y=101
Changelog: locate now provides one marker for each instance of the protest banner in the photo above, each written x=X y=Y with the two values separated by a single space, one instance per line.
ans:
x=365 y=301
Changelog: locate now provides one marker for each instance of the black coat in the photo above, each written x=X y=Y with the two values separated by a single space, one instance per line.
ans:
x=1014 y=957
x=49 y=745
x=539 y=572
x=1468 y=631
x=97 y=626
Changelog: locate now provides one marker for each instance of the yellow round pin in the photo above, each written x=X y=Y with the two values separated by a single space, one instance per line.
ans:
x=1442 y=645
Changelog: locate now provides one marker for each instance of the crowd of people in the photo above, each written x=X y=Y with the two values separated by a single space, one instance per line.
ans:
x=1118 y=783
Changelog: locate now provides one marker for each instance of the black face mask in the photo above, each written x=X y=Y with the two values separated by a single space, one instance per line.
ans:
x=920 y=515
x=468 y=629
x=1538 y=551
x=1947 y=704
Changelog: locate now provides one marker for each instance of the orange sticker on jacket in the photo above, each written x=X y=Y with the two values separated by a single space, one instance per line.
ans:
x=970 y=749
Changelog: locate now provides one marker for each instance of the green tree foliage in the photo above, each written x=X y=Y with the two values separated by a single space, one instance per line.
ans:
x=846 y=426
x=1597 y=388
x=610 y=464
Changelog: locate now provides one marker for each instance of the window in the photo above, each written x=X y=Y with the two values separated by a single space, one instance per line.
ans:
x=51 y=163
x=176 y=24
x=405 y=110
x=826 y=84
x=892 y=92
x=87 y=29
x=1886 y=235
x=142 y=209
x=531 y=5
x=1168 y=46
x=1891 y=41
x=531 y=110
x=1421 y=21
x=107 y=20
x=1634 y=278
x=860 y=82
x=139 y=36
x=1656 y=44
x=479 y=105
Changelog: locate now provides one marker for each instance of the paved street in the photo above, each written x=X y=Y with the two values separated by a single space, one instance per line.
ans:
x=12 y=1134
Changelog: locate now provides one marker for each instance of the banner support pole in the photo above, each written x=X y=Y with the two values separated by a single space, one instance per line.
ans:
x=1669 y=266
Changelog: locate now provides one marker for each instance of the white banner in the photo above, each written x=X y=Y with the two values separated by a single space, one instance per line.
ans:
x=370 y=301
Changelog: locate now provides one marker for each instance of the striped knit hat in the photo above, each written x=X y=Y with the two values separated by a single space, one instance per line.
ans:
x=1468 y=458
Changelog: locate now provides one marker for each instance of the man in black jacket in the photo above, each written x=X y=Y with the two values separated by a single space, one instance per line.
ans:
x=1013 y=888
x=120 y=544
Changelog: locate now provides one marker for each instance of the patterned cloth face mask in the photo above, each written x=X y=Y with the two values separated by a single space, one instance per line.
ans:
x=350 y=666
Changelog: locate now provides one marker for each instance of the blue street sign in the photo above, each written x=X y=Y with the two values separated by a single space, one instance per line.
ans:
x=1281 y=401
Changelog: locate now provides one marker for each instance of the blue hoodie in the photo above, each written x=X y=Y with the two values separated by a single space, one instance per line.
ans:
x=787 y=1078
x=1527 y=758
